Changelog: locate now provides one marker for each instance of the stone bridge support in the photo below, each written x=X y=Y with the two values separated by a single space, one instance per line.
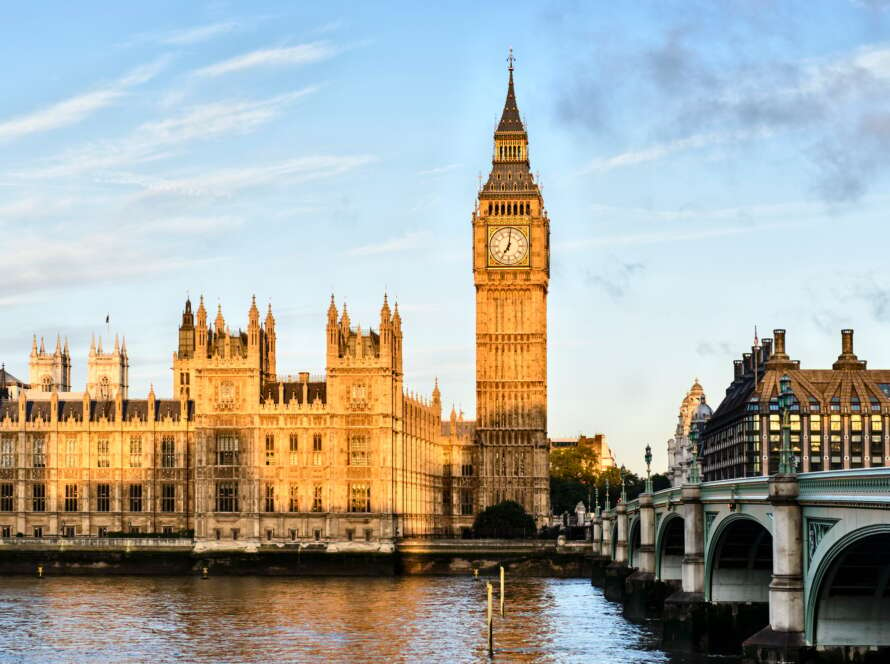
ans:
x=643 y=595
x=686 y=612
x=618 y=571
x=600 y=551
x=783 y=639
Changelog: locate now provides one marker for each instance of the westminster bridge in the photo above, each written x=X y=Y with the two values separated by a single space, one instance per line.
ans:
x=793 y=567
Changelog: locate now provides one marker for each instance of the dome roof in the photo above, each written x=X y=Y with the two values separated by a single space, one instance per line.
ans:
x=703 y=412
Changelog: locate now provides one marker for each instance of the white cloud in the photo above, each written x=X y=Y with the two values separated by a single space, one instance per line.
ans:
x=77 y=108
x=197 y=34
x=403 y=243
x=293 y=55
x=440 y=170
x=156 y=140
x=660 y=237
x=661 y=150
x=226 y=181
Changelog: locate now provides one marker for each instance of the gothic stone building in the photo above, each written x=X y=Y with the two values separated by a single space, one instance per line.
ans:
x=241 y=453
x=244 y=453
x=839 y=418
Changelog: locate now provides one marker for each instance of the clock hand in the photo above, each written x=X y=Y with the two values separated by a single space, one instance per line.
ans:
x=509 y=241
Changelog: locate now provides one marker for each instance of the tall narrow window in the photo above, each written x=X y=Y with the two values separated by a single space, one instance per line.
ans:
x=135 y=451
x=38 y=497
x=168 y=452
x=226 y=496
x=168 y=497
x=836 y=447
x=877 y=440
x=316 y=449
x=270 y=449
x=7 y=452
x=358 y=450
x=466 y=502
x=38 y=453
x=359 y=498
x=71 y=498
x=856 y=440
x=226 y=450
x=815 y=442
x=293 y=504
x=71 y=453
x=294 y=443
x=270 y=497
x=103 y=497
x=317 y=505
x=6 y=497
x=102 y=454
x=135 y=497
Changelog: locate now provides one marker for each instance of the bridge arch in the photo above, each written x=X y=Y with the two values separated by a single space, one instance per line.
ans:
x=634 y=541
x=670 y=547
x=739 y=561
x=855 y=575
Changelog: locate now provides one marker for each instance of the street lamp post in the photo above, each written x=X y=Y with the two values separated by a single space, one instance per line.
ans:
x=606 y=505
x=786 y=458
x=694 y=468
x=648 y=458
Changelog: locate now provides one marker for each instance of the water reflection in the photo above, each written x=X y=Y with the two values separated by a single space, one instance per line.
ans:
x=226 y=619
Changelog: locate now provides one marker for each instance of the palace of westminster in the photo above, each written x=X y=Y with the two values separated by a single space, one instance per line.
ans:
x=244 y=453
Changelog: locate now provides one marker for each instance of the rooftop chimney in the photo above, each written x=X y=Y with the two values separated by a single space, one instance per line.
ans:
x=747 y=362
x=779 y=359
x=847 y=359
x=767 y=349
x=737 y=368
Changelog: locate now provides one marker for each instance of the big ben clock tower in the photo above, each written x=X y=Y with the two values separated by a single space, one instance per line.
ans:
x=511 y=270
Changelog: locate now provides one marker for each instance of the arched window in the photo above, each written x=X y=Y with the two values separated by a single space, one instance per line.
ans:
x=46 y=384
x=104 y=388
x=509 y=208
x=489 y=208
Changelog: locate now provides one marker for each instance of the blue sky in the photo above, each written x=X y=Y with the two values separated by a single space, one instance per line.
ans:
x=706 y=167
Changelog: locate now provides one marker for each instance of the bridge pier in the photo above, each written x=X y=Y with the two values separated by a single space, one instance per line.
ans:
x=618 y=571
x=643 y=595
x=783 y=639
x=598 y=562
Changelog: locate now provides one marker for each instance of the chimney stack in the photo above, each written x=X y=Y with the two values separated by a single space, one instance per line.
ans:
x=767 y=349
x=748 y=362
x=737 y=369
x=847 y=359
x=779 y=359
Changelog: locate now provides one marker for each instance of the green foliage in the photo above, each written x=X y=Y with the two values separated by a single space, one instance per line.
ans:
x=506 y=520
x=578 y=463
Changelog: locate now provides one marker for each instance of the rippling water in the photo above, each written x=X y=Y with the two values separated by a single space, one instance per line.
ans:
x=261 y=619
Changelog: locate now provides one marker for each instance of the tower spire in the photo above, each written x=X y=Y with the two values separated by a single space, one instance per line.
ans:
x=510 y=120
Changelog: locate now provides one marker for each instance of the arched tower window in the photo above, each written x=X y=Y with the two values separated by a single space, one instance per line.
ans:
x=46 y=384
x=104 y=388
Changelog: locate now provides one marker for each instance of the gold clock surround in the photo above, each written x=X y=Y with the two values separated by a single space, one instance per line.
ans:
x=523 y=262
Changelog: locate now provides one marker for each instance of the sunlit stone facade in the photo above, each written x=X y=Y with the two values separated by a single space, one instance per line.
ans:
x=242 y=454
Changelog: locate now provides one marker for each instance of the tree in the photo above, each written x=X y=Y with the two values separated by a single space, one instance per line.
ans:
x=506 y=520
x=579 y=463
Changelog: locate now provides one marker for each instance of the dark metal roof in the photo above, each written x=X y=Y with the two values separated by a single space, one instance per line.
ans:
x=294 y=390
x=510 y=120
x=132 y=408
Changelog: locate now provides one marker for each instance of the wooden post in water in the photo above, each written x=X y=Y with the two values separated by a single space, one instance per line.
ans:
x=475 y=574
x=490 y=622
x=502 y=591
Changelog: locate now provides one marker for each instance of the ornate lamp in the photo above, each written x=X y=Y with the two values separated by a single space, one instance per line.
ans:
x=694 y=467
x=607 y=506
x=648 y=458
x=786 y=396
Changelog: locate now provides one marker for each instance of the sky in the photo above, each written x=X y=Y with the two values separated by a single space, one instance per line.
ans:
x=707 y=167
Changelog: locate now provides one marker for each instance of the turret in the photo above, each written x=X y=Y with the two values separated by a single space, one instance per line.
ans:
x=253 y=328
x=271 y=337
x=220 y=322
x=187 y=332
x=201 y=329
x=437 y=398
x=333 y=333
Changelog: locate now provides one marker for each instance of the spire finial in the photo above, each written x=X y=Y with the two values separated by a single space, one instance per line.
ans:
x=510 y=61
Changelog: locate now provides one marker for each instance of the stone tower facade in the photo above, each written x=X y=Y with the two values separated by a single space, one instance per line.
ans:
x=511 y=270
x=49 y=371
x=108 y=374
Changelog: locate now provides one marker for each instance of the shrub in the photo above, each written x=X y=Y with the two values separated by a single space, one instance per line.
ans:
x=506 y=520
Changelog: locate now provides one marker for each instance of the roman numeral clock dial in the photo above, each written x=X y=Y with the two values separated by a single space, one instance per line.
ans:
x=508 y=246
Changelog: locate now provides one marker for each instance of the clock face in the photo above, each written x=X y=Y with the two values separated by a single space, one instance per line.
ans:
x=508 y=245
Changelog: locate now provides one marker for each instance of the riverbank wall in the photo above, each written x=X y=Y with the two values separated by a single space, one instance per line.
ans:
x=151 y=556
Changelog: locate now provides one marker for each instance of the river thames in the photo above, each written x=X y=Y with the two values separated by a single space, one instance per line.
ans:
x=261 y=619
